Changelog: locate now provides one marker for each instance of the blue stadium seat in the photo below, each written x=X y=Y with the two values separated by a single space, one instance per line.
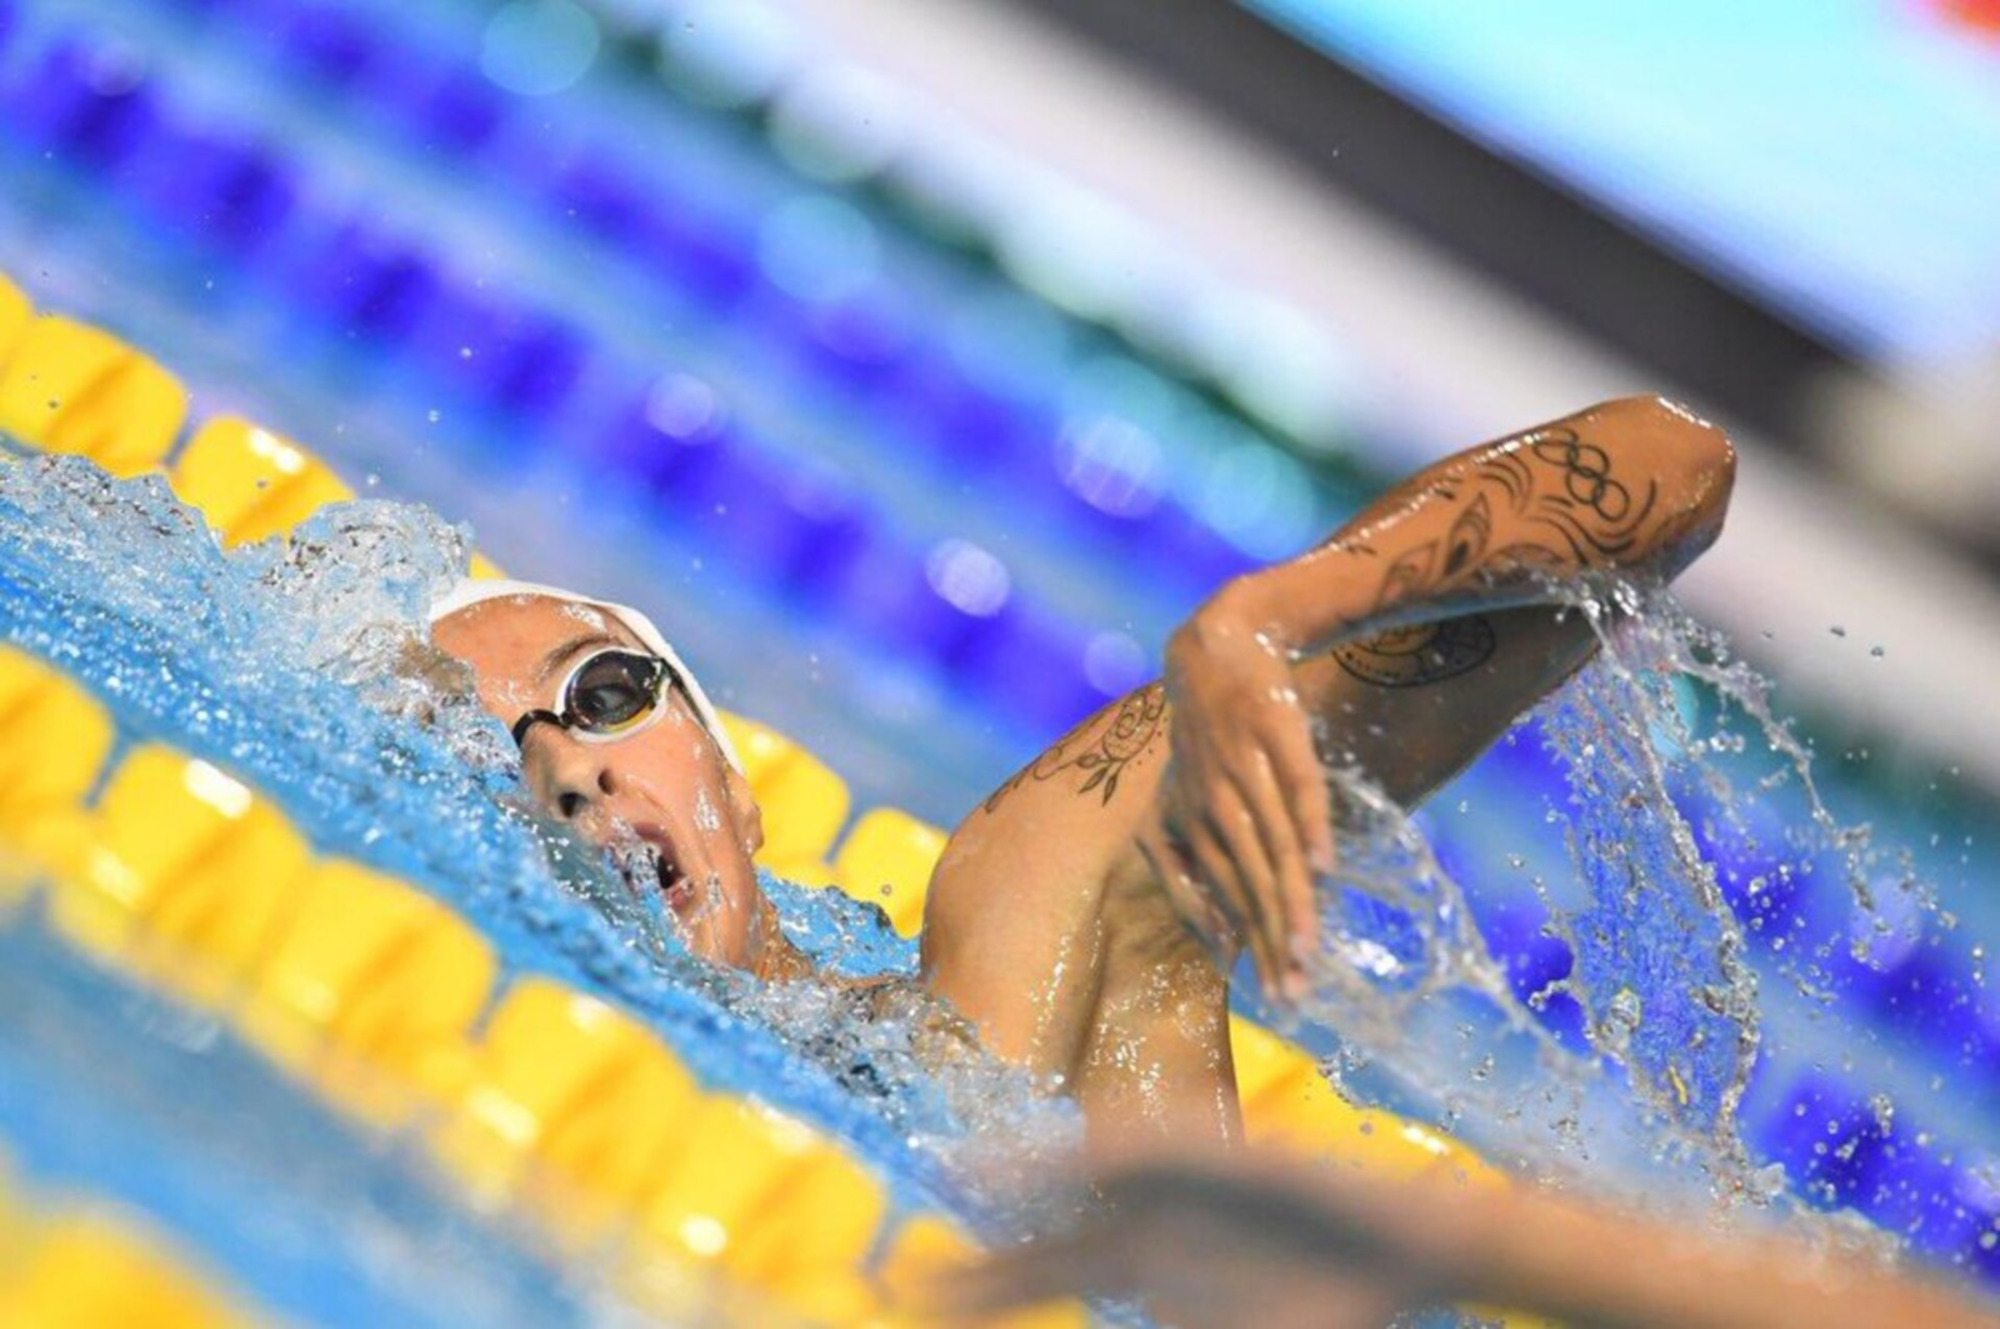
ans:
x=522 y=360
x=699 y=253
x=1029 y=663
x=1930 y=996
x=741 y=511
x=85 y=100
x=670 y=436
x=856 y=344
x=884 y=598
x=1195 y=555
x=446 y=107
x=219 y=189
x=1917 y=1196
x=1827 y=1137
x=604 y=198
x=832 y=520
x=368 y=282
x=1757 y=873
x=1533 y=959
x=966 y=426
x=327 y=42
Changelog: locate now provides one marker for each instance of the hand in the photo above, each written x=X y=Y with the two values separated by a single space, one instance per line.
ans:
x=1245 y=819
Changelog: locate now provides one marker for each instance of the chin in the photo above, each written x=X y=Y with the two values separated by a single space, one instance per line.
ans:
x=729 y=935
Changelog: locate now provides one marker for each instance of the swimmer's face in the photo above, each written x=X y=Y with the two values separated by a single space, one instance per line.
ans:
x=667 y=785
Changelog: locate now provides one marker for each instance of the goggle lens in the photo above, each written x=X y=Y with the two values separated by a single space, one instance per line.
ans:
x=613 y=691
x=608 y=695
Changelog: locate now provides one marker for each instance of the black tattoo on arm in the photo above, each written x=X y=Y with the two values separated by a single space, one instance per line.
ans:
x=1470 y=533
x=1416 y=656
x=1408 y=576
x=1099 y=751
x=1579 y=514
x=1595 y=515
x=1576 y=513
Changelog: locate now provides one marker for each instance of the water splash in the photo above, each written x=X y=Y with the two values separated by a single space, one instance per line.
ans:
x=1693 y=823
x=304 y=666
x=1660 y=964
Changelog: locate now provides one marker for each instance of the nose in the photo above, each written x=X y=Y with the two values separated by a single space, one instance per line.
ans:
x=580 y=783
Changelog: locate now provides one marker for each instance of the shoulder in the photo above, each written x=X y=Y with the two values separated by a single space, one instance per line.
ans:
x=1081 y=797
x=1025 y=874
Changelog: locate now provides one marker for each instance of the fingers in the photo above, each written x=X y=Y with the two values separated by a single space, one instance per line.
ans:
x=1176 y=876
x=1228 y=852
x=1286 y=904
x=1256 y=819
x=1301 y=780
x=1250 y=880
x=1248 y=808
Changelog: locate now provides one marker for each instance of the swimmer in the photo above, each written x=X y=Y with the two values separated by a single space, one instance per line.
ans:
x=1087 y=915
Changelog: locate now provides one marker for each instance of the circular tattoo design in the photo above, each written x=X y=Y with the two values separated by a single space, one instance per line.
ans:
x=1587 y=478
x=1412 y=657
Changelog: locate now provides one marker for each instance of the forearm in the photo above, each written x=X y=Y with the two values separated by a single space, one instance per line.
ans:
x=1634 y=483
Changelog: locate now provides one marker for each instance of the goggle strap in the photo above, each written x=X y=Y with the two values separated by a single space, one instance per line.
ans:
x=530 y=720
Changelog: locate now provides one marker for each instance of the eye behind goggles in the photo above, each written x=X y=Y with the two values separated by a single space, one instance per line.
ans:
x=610 y=694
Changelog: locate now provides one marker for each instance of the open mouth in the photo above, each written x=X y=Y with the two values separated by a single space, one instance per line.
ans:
x=676 y=887
x=647 y=866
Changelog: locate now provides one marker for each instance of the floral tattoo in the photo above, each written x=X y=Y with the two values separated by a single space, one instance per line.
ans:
x=1098 y=751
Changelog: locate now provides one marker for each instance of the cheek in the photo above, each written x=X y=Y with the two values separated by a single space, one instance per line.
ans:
x=676 y=763
x=707 y=816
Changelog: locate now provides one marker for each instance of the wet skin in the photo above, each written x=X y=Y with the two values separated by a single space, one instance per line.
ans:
x=1086 y=916
x=667 y=785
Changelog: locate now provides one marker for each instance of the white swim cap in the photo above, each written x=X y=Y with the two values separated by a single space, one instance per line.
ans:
x=474 y=590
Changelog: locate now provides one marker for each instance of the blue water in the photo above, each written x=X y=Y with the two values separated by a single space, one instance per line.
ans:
x=281 y=663
x=110 y=1093
x=237 y=659
x=1717 y=990
x=612 y=259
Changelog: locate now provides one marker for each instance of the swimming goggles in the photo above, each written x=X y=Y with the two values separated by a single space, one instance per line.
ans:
x=611 y=694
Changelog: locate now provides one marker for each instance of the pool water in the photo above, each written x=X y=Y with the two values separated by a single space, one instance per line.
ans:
x=280 y=660
x=921 y=513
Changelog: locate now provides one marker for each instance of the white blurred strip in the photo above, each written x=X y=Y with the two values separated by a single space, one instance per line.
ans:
x=1449 y=357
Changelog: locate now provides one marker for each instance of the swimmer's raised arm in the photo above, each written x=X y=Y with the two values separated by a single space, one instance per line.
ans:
x=1086 y=915
x=1416 y=632
x=1637 y=482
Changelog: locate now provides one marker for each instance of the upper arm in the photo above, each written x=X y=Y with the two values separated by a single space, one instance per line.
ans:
x=1014 y=917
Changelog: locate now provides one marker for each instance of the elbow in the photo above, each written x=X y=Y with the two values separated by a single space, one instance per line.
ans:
x=1686 y=453
x=1704 y=460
